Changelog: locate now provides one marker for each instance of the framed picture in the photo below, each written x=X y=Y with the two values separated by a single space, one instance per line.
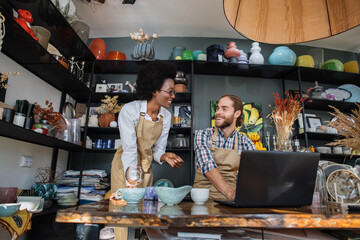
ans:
x=115 y=87
x=314 y=122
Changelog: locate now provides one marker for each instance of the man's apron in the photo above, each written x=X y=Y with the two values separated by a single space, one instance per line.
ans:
x=227 y=161
x=147 y=133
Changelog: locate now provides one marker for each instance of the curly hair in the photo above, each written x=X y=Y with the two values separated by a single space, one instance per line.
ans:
x=151 y=77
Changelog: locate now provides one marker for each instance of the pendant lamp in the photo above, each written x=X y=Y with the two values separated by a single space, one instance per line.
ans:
x=291 y=21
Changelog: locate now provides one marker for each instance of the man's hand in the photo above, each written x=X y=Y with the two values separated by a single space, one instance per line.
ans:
x=217 y=180
x=172 y=159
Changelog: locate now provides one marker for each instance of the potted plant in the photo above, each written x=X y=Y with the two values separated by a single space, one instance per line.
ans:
x=107 y=110
x=45 y=185
x=47 y=121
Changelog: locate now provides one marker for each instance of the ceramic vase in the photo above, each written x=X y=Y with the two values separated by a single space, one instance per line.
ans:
x=144 y=51
x=105 y=119
x=45 y=190
x=98 y=48
x=176 y=53
x=243 y=58
x=256 y=57
x=232 y=53
x=282 y=56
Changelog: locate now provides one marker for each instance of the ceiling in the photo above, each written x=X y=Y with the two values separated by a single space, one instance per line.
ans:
x=179 y=18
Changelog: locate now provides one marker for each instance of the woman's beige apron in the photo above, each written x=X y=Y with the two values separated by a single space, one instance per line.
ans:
x=147 y=133
x=227 y=161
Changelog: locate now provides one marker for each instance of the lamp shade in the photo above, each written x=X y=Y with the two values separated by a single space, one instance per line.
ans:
x=291 y=21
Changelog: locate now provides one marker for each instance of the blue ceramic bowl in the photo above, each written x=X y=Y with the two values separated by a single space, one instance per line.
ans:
x=282 y=56
x=9 y=209
x=172 y=196
x=131 y=195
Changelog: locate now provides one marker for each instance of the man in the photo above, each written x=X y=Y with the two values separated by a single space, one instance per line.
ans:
x=217 y=150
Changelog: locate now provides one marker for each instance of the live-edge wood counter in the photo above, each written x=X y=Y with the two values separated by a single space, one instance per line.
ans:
x=153 y=214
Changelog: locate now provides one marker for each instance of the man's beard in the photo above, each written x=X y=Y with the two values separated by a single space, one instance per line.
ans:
x=227 y=122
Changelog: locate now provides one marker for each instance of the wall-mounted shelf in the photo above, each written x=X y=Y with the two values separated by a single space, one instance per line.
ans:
x=22 y=48
x=180 y=97
x=19 y=133
x=326 y=76
x=63 y=37
x=132 y=66
x=243 y=70
x=322 y=104
x=319 y=136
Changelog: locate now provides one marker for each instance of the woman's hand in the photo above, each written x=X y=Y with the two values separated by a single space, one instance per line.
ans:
x=172 y=159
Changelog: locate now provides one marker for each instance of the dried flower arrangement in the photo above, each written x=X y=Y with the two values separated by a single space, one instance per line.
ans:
x=283 y=115
x=142 y=37
x=46 y=175
x=109 y=105
x=4 y=78
x=48 y=114
x=348 y=127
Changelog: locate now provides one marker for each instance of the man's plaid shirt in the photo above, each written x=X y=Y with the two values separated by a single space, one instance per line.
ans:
x=204 y=158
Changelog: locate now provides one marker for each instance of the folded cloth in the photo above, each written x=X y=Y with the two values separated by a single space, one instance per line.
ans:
x=97 y=172
x=64 y=189
x=17 y=224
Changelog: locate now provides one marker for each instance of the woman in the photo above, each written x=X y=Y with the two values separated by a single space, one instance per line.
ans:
x=144 y=128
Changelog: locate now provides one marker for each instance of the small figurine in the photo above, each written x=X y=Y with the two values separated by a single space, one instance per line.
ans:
x=24 y=20
x=256 y=140
x=132 y=88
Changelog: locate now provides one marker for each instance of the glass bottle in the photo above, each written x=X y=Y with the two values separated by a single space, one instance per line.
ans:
x=320 y=192
x=274 y=141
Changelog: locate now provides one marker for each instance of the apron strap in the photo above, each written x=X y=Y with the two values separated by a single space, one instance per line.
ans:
x=214 y=137
x=141 y=123
x=236 y=147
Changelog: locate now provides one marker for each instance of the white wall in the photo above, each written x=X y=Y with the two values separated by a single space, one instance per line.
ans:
x=30 y=87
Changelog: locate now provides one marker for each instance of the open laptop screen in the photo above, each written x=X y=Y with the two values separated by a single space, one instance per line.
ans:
x=276 y=179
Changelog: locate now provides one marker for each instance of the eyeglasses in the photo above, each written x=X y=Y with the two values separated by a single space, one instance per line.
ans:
x=172 y=92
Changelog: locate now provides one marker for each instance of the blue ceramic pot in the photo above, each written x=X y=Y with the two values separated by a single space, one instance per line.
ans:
x=282 y=56
x=45 y=190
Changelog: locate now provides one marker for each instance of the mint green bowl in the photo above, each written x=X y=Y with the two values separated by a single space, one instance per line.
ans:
x=131 y=195
x=9 y=209
x=172 y=196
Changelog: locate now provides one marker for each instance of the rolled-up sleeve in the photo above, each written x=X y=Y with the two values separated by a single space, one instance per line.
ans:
x=127 y=122
x=204 y=158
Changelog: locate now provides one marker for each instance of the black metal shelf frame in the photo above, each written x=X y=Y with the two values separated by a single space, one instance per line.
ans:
x=19 y=133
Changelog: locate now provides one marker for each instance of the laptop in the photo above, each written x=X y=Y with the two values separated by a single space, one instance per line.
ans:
x=275 y=179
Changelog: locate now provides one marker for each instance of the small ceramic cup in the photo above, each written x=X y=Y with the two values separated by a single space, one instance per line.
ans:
x=130 y=195
x=19 y=119
x=199 y=195
x=8 y=115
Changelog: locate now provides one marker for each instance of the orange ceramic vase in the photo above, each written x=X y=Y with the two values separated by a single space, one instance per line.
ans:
x=98 y=48
x=116 y=55
x=105 y=119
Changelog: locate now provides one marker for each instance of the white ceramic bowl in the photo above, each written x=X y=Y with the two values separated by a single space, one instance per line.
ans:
x=323 y=149
x=200 y=195
x=31 y=203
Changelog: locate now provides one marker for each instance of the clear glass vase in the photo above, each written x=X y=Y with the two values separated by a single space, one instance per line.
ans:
x=283 y=134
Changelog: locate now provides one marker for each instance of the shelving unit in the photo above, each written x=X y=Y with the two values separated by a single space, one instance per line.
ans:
x=324 y=105
x=24 y=50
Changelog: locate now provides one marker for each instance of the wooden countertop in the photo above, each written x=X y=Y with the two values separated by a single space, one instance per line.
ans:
x=187 y=214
